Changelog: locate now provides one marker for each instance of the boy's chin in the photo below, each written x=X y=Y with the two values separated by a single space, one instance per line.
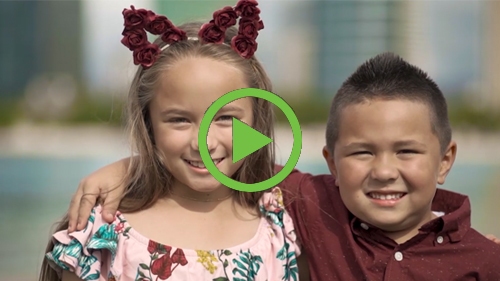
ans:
x=398 y=225
x=391 y=224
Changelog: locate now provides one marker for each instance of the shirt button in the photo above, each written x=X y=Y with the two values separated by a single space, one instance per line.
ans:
x=398 y=256
x=440 y=239
x=364 y=226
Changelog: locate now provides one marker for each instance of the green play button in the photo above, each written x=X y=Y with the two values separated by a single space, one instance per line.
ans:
x=246 y=140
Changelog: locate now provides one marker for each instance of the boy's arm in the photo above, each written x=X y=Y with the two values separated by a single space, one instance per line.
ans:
x=493 y=238
x=104 y=184
x=303 y=265
x=69 y=276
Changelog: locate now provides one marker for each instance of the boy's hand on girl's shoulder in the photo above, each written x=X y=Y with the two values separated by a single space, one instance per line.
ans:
x=103 y=186
x=493 y=238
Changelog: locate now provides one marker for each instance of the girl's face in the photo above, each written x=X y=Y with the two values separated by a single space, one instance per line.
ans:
x=184 y=93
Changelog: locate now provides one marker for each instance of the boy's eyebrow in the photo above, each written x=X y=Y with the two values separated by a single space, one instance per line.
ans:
x=358 y=144
x=409 y=143
x=398 y=143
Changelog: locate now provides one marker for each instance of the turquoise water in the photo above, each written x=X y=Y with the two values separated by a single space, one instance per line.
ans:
x=35 y=192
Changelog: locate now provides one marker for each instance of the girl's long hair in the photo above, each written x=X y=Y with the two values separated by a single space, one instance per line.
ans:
x=147 y=179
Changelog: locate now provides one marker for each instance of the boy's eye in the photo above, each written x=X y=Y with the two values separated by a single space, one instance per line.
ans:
x=407 y=151
x=360 y=152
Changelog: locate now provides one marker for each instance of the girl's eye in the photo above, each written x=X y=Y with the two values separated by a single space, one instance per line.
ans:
x=177 y=120
x=225 y=118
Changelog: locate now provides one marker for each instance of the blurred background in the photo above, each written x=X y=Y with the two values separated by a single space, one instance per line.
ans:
x=64 y=76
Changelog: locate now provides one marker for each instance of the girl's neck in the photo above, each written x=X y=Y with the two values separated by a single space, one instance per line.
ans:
x=221 y=194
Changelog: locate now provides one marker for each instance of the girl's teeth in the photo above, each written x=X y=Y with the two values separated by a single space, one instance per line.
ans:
x=199 y=164
x=386 y=196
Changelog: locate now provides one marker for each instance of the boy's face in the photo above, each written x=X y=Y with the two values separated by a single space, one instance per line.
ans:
x=387 y=163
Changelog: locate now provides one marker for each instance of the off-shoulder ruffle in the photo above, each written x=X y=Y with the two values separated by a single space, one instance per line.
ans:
x=273 y=208
x=82 y=252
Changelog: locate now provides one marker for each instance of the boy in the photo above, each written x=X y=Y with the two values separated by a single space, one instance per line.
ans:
x=388 y=146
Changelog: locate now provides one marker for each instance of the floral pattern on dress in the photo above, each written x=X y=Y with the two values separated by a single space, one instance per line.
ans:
x=161 y=264
x=114 y=251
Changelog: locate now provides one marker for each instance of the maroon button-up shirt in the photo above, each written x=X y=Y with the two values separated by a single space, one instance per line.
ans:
x=340 y=247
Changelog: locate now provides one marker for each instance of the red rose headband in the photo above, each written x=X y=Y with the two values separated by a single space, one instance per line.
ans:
x=138 y=21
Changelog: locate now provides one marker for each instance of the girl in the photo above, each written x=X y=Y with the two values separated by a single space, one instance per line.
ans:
x=175 y=221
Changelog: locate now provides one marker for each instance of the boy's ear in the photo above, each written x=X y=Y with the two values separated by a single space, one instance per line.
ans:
x=328 y=155
x=447 y=162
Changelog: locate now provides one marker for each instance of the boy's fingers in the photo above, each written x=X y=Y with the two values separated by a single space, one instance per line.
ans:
x=87 y=202
x=74 y=206
x=110 y=205
x=493 y=238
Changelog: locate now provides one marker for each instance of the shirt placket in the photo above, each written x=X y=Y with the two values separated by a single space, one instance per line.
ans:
x=397 y=265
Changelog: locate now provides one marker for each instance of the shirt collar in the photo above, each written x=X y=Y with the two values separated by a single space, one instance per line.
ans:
x=455 y=222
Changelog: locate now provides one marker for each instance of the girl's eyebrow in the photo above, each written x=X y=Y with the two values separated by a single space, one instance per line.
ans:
x=178 y=111
x=228 y=108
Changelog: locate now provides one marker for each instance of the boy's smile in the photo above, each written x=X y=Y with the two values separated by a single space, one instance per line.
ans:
x=387 y=162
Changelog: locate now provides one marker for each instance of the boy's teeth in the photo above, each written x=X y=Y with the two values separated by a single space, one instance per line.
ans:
x=199 y=164
x=386 y=196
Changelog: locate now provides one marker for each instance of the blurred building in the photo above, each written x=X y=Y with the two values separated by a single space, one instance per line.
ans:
x=446 y=40
x=38 y=37
x=455 y=42
x=349 y=32
x=490 y=92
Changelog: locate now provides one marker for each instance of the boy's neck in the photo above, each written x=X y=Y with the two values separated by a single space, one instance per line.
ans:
x=402 y=236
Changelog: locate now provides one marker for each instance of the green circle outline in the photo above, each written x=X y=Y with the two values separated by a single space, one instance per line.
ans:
x=232 y=96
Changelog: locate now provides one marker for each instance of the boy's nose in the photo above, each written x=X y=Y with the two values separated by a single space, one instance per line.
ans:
x=384 y=169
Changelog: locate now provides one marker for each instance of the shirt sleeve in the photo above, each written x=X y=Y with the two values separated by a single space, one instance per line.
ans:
x=295 y=193
x=89 y=252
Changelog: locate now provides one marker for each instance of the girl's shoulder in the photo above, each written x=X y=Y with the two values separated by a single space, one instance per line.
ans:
x=88 y=251
x=272 y=207
x=115 y=251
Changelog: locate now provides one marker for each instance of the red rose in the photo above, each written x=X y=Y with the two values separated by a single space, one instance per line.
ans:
x=225 y=17
x=179 y=257
x=173 y=34
x=162 y=267
x=260 y=25
x=134 y=38
x=211 y=33
x=159 y=25
x=137 y=18
x=154 y=247
x=247 y=9
x=249 y=28
x=243 y=45
x=146 y=55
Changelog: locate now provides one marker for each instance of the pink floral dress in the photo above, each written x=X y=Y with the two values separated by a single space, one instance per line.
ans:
x=116 y=251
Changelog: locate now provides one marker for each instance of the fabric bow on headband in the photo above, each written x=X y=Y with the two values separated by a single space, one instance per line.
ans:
x=138 y=21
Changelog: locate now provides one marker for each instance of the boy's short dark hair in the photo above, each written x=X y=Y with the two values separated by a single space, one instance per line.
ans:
x=388 y=77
